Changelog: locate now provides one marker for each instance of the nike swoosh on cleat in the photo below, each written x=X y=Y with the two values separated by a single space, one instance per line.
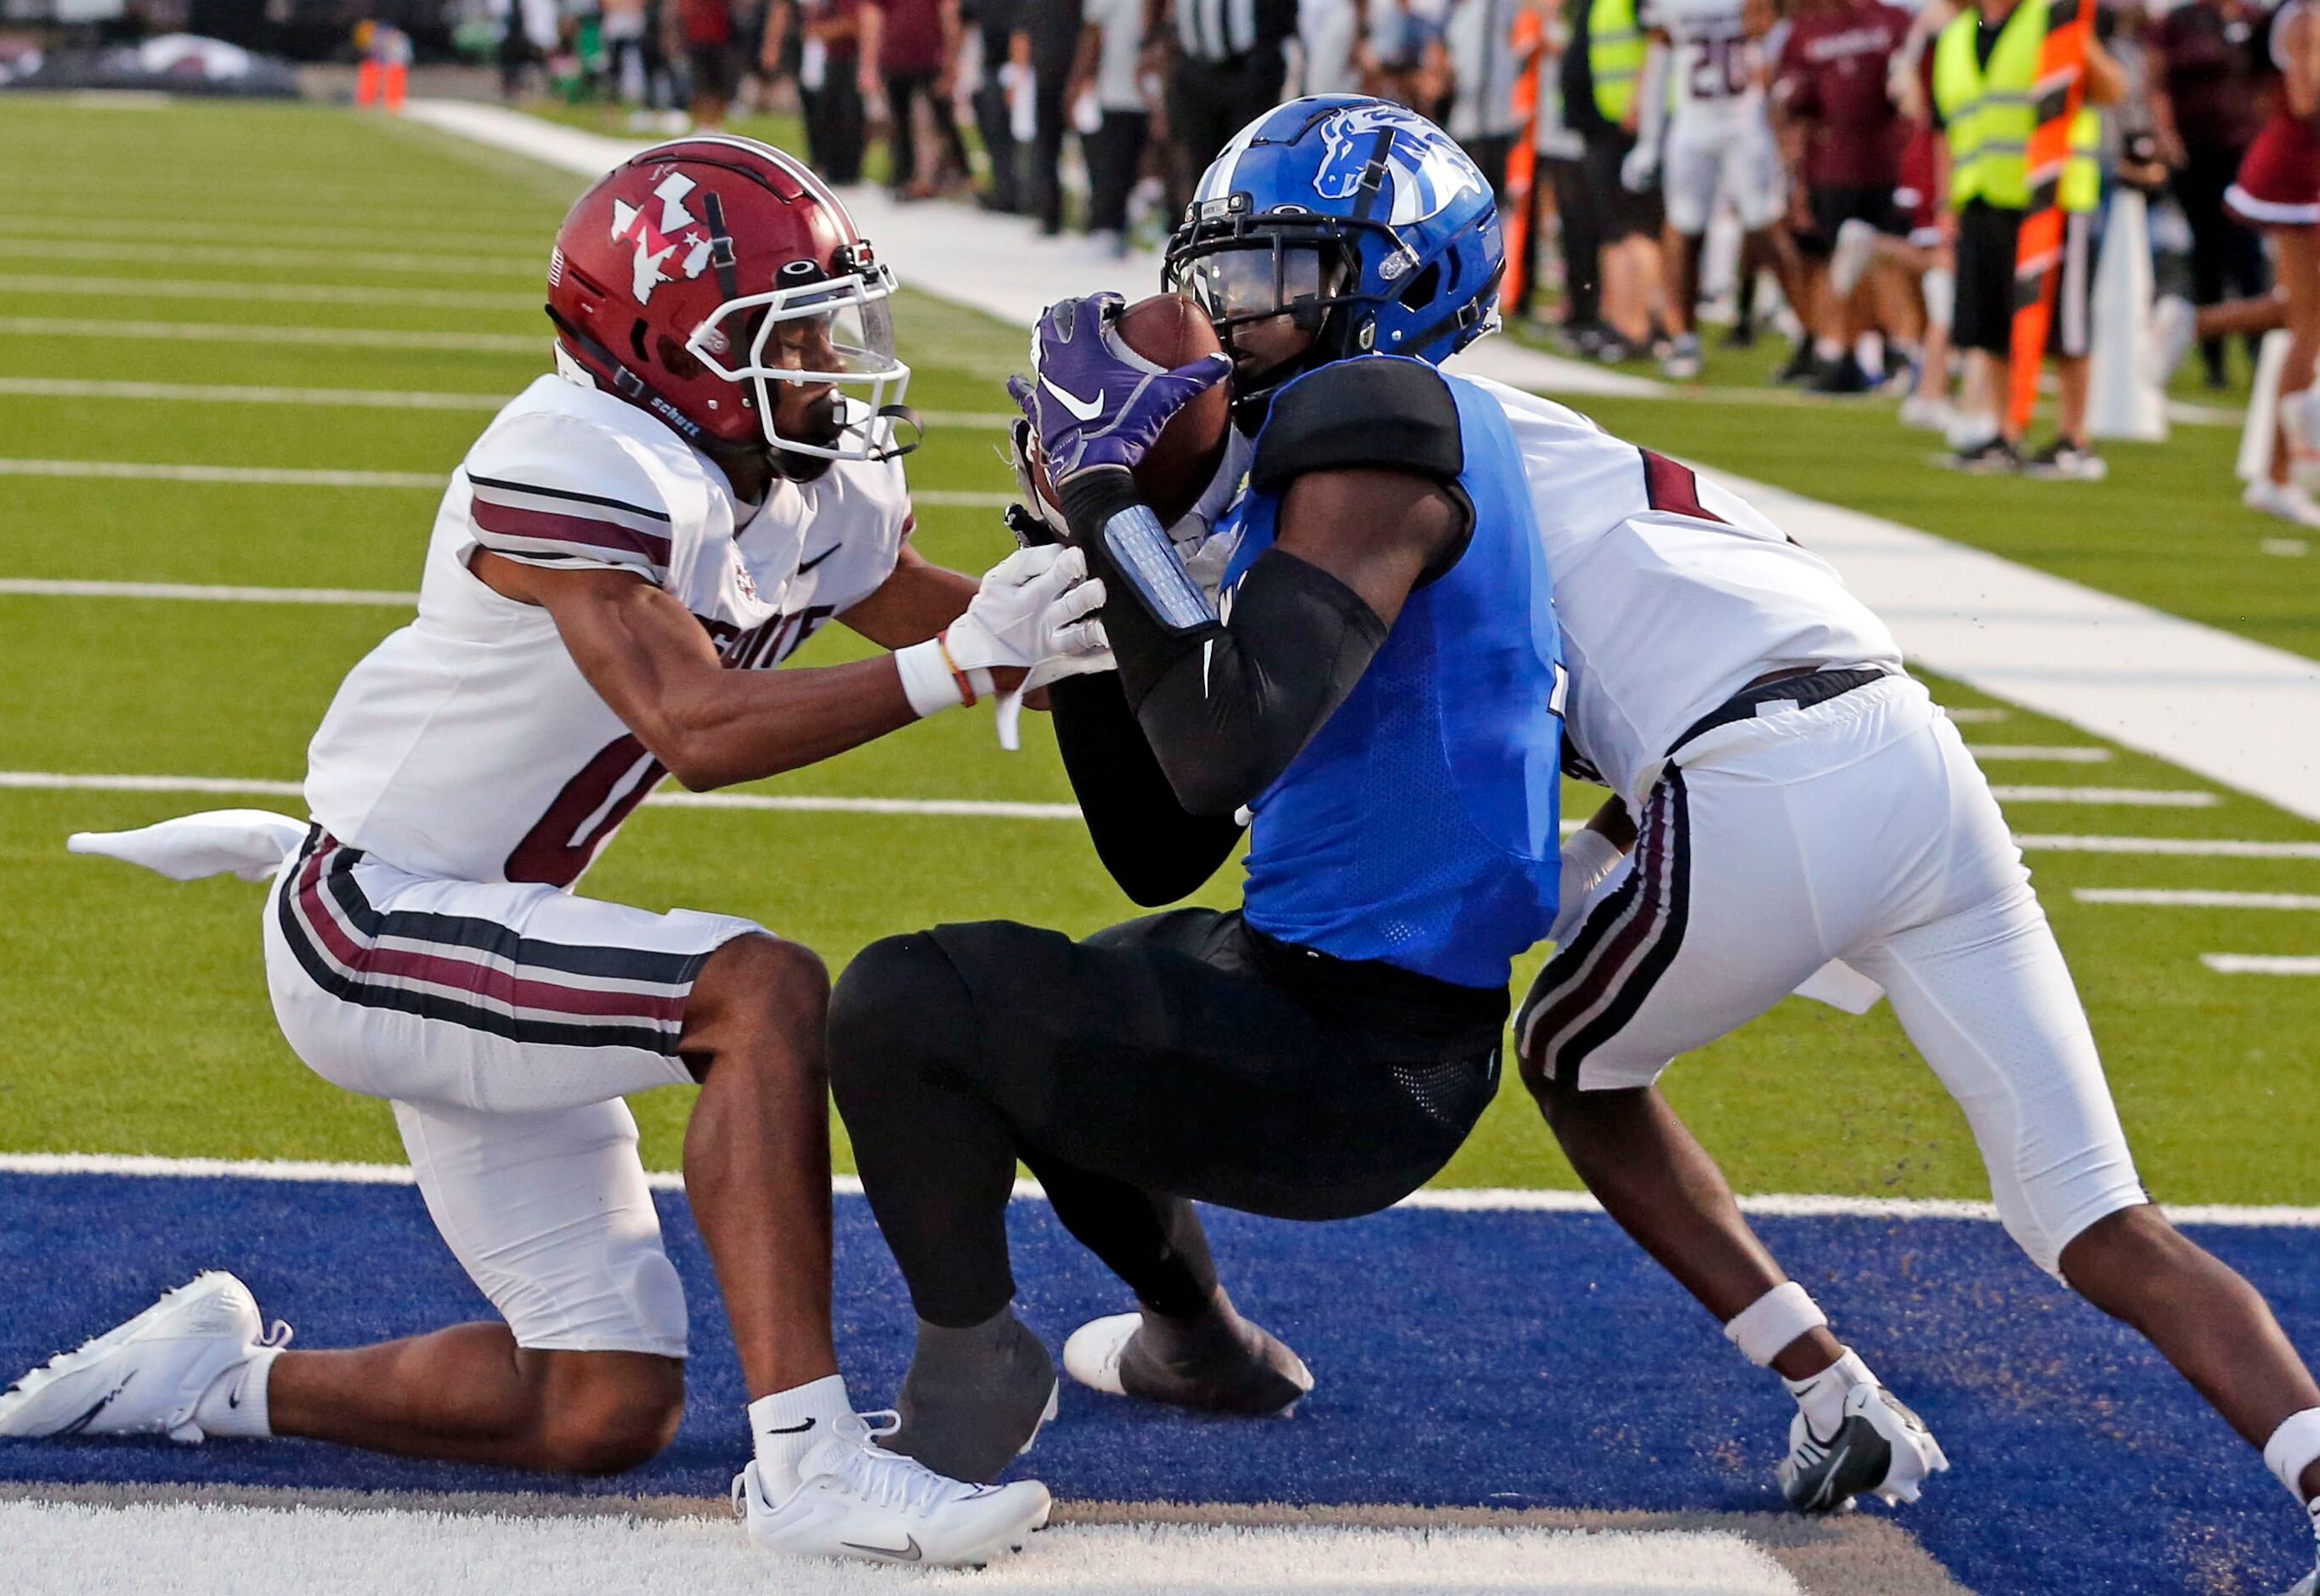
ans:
x=1828 y=1479
x=907 y=1552
x=99 y=1406
x=789 y=1429
x=1086 y=409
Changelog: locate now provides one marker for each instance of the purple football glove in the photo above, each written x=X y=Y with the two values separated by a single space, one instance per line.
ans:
x=1092 y=401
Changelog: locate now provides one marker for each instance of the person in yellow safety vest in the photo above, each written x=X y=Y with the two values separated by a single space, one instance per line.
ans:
x=1599 y=83
x=1985 y=100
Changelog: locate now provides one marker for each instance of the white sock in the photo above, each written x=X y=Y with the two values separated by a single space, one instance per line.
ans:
x=1830 y=349
x=1822 y=1397
x=786 y=1423
x=234 y=1405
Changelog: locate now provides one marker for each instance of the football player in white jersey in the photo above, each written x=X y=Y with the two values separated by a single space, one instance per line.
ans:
x=1791 y=809
x=1705 y=134
x=620 y=559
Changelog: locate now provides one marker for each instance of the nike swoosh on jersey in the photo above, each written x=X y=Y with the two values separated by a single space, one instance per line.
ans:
x=807 y=564
x=907 y=1552
x=1087 y=410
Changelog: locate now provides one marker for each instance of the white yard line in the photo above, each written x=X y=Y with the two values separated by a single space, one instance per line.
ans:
x=352 y=337
x=1971 y=717
x=458 y=299
x=1441 y=1198
x=2218 y=847
x=2146 y=797
x=50 y=387
x=283 y=477
x=444 y=266
x=2260 y=963
x=2190 y=898
x=794 y=802
x=40 y=587
x=2038 y=753
x=261 y=476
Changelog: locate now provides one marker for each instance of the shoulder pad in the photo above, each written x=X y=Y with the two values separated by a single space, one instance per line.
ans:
x=556 y=490
x=1379 y=412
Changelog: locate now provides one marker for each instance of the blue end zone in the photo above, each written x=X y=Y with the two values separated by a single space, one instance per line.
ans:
x=1499 y=1359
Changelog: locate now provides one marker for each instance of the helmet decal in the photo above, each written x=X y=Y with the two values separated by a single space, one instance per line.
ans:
x=1427 y=168
x=655 y=242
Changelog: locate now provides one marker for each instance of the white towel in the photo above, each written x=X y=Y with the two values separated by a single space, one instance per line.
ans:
x=251 y=843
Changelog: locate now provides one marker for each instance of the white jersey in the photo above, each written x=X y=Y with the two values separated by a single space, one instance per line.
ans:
x=1717 y=89
x=1674 y=594
x=468 y=745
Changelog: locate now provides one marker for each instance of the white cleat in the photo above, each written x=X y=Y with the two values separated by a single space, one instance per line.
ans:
x=145 y=1377
x=860 y=1501
x=1880 y=1447
x=2284 y=499
x=2309 y=1585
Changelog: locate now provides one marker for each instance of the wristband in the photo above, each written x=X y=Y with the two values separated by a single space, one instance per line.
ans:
x=1766 y=1326
x=932 y=682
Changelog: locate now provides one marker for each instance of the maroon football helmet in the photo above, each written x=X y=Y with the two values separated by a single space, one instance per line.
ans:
x=698 y=272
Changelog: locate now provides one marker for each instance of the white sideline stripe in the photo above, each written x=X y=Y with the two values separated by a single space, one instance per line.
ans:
x=2178 y=898
x=2046 y=753
x=285 y=476
x=250 y=254
x=47 y=387
x=262 y=476
x=42 y=588
x=1970 y=717
x=1440 y=1198
x=450 y=299
x=362 y=338
x=2147 y=797
x=794 y=802
x=2177 y=847
x=2260 y=963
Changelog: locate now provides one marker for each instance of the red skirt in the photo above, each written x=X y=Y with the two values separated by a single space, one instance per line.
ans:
x=2280 y=175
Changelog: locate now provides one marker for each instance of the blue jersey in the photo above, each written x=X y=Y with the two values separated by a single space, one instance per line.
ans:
x=1419 y=827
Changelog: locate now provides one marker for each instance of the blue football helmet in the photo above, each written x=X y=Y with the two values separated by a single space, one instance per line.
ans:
x=1362 y=220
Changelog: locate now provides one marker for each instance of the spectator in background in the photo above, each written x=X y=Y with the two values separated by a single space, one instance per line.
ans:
x=1230 y=67
x=829 y=80
x=1986 y=67
x=1601 y=70
x=1111 y=67
x=1410 y=58
x=909 y=47
x=993 y=24
x=2205 y=71
x=1562 y=153
x=1048 y=41
x=708 y=29
x=1332 y=38
x=1482 y=68
x=1846 y=136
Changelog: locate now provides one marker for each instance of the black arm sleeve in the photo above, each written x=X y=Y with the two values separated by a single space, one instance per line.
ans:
x=1154 y=849
x=1225 y=708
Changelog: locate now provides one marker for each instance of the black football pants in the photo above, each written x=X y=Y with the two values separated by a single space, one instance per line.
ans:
x=1173 y=1057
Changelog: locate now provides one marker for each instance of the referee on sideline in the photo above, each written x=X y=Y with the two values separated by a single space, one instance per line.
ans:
x=1230 y=69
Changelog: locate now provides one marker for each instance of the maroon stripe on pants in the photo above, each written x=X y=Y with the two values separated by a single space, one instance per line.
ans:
x=1627 y=942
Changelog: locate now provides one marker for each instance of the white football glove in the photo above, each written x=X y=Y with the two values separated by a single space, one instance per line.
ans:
x=1068 y=639
x=1642 y=167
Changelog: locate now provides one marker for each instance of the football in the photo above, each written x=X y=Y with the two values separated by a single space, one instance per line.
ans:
x=1168 y=330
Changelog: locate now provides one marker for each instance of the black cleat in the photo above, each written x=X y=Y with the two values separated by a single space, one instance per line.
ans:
x=1219 y=1363
x=975 y=1399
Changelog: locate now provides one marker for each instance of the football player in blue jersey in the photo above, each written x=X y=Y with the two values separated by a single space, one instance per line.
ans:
x=1376 y=696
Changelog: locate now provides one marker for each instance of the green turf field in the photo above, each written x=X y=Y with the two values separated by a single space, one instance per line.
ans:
x=134 y=1016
